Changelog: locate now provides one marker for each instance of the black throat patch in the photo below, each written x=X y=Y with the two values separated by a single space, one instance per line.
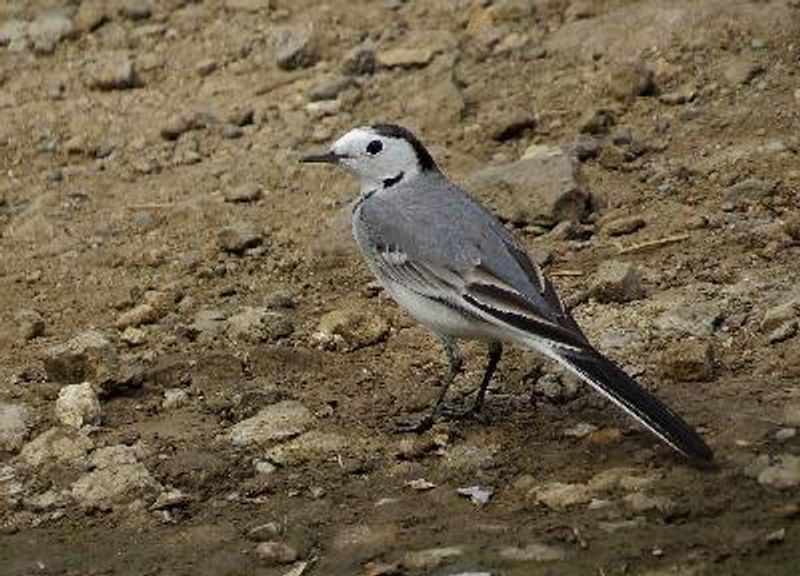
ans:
x=389 y=182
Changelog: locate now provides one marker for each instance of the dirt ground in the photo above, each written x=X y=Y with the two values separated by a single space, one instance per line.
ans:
x=159 y=240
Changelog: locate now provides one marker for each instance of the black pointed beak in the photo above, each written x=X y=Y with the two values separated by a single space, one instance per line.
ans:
x=324 y=158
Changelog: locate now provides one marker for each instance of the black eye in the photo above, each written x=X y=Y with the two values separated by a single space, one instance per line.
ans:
x=374 y=147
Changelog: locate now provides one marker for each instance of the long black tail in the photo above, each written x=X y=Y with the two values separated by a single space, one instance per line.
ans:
x=625 y=392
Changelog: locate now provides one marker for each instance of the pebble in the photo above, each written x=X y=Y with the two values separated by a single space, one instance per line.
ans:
x=89 y=356
x=330 y=88
x=360 y=61
x=776 y=536
x=56 y=445
x=274 y=553
x=616 y=281
x=30 y=324
x=749 y=191
x=623 y=226
x=258 y=324
x=117 y=478
x=16 y=421
x=533 y=552
x=631 y=80
x=174 y=398
x=77 y=405
x=558 y=388
x=580 y=430
x=48 y=29
x=13 y=32
x=430 y=558
x=176 y=125
x=596 y=121
x=133 y=336
x=478 y=495
x=232 y=132
x=312 y=446
x=781 y=314
x=741 y=71
x=135 y=9
x=785 y=434
x=689 y=360
x=264 y=532
x=783 y=332
x=91 y=15
x=640 y=502
x=783 y=472
x=542 y=188
x=237 y=238
x=585 y=147
x=279 y=421
x=510 y=124
x=684 y=317
x=172 y=498
x=405 y=57
x=351 y=327
x=295 y=46
x=249 y=6
x=206 y=67
x=112 y=72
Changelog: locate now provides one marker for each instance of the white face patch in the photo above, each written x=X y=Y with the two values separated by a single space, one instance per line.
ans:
x=376 y=159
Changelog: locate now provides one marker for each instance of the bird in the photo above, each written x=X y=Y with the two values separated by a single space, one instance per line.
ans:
x=452 y=265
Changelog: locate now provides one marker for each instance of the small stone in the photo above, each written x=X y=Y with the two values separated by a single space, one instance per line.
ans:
x=580 y=430
x=741 y=71
x=117 y=478
x=172 y=498
x=477 y=495
x=597 y=121
x=136 y=9
x=559 y=495
x=681 y=95
x=248 y=192
x=689 y=360
x=241 y=116
x=791 y=414
x=782 y=314
x=749 y=191
x=508 y=125
x=274 y=553
x=639 y=502
x=13 y=32
x=264 y=532
x=545 y=187
x=30 y=324
x=249 y=6
x=586 y=147
x=360 y=61
x=631 y=80
x=405 y=57
x=77 y=405
x=699 y=319
x=16 y=421
x=785 y=434
x=238 y=237
x=91 y=15
x=783 y=473
x=616 y=281
x=136 y=316
x=112 y=72
x=776 y=537
x=330 y=88
x=534 y=552
x=351 y=327
x=88 y=356
x=275 y=422
x=420 y=484
x=176 y=125
x=133 y=336
x=624 y=225
x=206 y=67
x=56 y=445
x=389 y=569
x=174 y=398
x=258 y=324
x=265 y=468
x=48 y=29
x=783 y=332
x=312 y=446
x=232 y=132
x=558 y=388
x=431 y=558
x=295 y=46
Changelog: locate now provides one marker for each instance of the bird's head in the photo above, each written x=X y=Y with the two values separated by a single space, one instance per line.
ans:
x=381 y=155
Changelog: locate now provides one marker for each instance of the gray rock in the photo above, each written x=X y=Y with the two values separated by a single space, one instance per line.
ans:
x=689 y=360
x=56 y=445
x=640 y=502
x=624 y=225
x=118 y=478
x=585 y=147
x=330 y=88
x=13 y=32
x=135 y=9
x=698 y=319
x=478 y=495
x=749 y=191
x=510 y=124
x=533 y=552
x=259 y=325
x=275 y=422
x=597 y=121
x=48 y=29
x=30 y=324
x=112 y=72
x=133 y=336
x=178 y=124
x=208 y=324
x=559 y=388
x=405 y=57
x=630 y=80
x=174 y=398
x=295 y=46
x=360 y=61
x=243 y=193
x=91 y=15
x=782 y=473
x=616 y=281
x=77 y=405
x=16 y=421
x=312 y=446
x=232 y=132
x=171 y=498
x=431 y=558
x=87 y=357
x=206 y=67
x=264 y=532
x=274 y=553
x=351 y=327
x=544 y=188
x=560 y=495
x=783 y=332
x=238 y=237
x=781 y=314
x=741 y=71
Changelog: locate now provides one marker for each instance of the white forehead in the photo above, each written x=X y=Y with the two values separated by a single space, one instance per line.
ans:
x=357 y=138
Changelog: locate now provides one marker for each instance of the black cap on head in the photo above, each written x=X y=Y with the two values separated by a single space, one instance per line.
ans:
x=426 y=161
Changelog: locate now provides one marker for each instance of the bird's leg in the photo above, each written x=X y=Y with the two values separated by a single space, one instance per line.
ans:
x=493 y=359
x=455 y=363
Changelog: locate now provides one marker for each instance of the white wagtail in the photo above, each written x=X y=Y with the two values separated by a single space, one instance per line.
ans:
x=454 y=267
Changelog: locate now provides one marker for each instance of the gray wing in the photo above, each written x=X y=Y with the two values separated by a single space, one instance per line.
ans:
x=438 y=241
